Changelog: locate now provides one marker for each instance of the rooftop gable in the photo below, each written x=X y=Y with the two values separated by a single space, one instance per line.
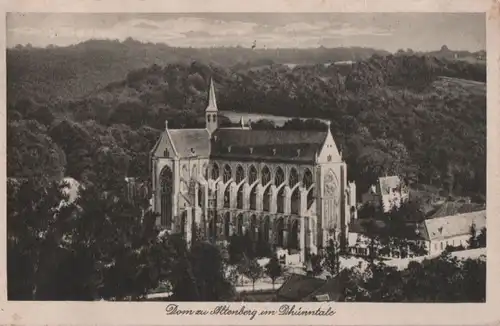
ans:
x=454 y=225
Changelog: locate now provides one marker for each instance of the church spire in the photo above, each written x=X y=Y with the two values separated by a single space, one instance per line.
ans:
x=212 y=102
x=211 y=122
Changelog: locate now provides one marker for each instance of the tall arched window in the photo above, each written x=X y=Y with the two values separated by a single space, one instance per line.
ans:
x=266 y=200
x=293 y=179
x=280 y=232
x=184 y=172
x=252 y=175
x=205 y=171
x=227 y=225
x=281 y=200
x=226 y=197
x=266 y=225
x=239 y=198
x=307 y=180
x=253 y=198
x=239 y=224
x=295 y=201
x=279 y=178
x=293 y=238
x=266 y=176
x=227 y=173
x=240 y=174
x=166 y=182
x=215 y=171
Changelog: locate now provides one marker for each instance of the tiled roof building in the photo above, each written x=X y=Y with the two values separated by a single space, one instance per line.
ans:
x=288 y=187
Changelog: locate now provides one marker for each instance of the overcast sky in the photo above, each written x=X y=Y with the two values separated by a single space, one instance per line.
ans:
x=390 y=31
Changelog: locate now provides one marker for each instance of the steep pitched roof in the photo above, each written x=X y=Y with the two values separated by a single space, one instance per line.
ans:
x=331 y=290
x=212 y=102
x=453 y=208
x=290 y=145
x=454 y=225
x=297 y=287
x=388 y=183
x=413 y=231
x=191 y=142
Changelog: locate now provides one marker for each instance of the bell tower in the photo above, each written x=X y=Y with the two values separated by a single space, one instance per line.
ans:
x=211 y=123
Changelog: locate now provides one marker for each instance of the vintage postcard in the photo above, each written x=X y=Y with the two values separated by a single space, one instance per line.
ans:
x=319 y=162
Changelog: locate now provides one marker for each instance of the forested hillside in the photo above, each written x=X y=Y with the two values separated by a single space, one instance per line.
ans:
x=418 y=116
x=69 y=72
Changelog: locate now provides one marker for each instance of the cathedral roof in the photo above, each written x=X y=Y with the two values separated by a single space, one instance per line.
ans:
x=190 y=142
x=287 y=145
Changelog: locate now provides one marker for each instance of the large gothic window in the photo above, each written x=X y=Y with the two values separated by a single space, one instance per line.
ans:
x=295 y=201
x=253 y=198
x=266 y=225
x=240 y=174
x=280 y=232
x=215 y=171
x=310 y=197
x=227 y=197
x=239 y=198
x=252 y=175
x=227 y=225
x=279 y=177
x=293 y=178
x=331 y=185
x=266 y=176
x=254 y=231
x=281 y=200
x=166 y=182
x=293 y=237
x=239 y=224
x=227 y=173
x=184 y=172
x=307 y=180
x=266 y=200
x=204 y=171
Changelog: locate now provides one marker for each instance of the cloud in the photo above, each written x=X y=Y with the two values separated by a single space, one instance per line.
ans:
x=271 y=31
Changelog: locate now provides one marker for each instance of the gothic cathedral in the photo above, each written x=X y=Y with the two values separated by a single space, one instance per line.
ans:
x=282 y=186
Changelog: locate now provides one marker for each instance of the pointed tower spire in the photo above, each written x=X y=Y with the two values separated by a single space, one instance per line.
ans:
x=211 y=122
x=212 y=102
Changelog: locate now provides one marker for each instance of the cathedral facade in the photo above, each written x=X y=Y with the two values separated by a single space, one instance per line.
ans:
x=288 y=188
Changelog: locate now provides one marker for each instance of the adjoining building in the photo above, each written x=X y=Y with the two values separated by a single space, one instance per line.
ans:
x=435 y=234
x=286 y=187
x=303 y=288
x=453 y=231
x=388 y=193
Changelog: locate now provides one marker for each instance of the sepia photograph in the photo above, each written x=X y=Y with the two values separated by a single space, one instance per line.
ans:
x=246 y=157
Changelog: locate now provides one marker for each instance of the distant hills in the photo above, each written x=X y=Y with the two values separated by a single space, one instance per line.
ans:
x=75 y=70
x=69 y=72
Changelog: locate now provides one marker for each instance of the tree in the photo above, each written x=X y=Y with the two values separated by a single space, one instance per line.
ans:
x=31 y=153
x=273 y=269
x=251 y=269
x=128 y=257
x=263 y=124
x=459 y=281
x=477 y=239
x=39 y=219
x=332 y=255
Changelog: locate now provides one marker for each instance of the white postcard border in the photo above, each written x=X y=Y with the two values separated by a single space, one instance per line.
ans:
x=151 y=313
